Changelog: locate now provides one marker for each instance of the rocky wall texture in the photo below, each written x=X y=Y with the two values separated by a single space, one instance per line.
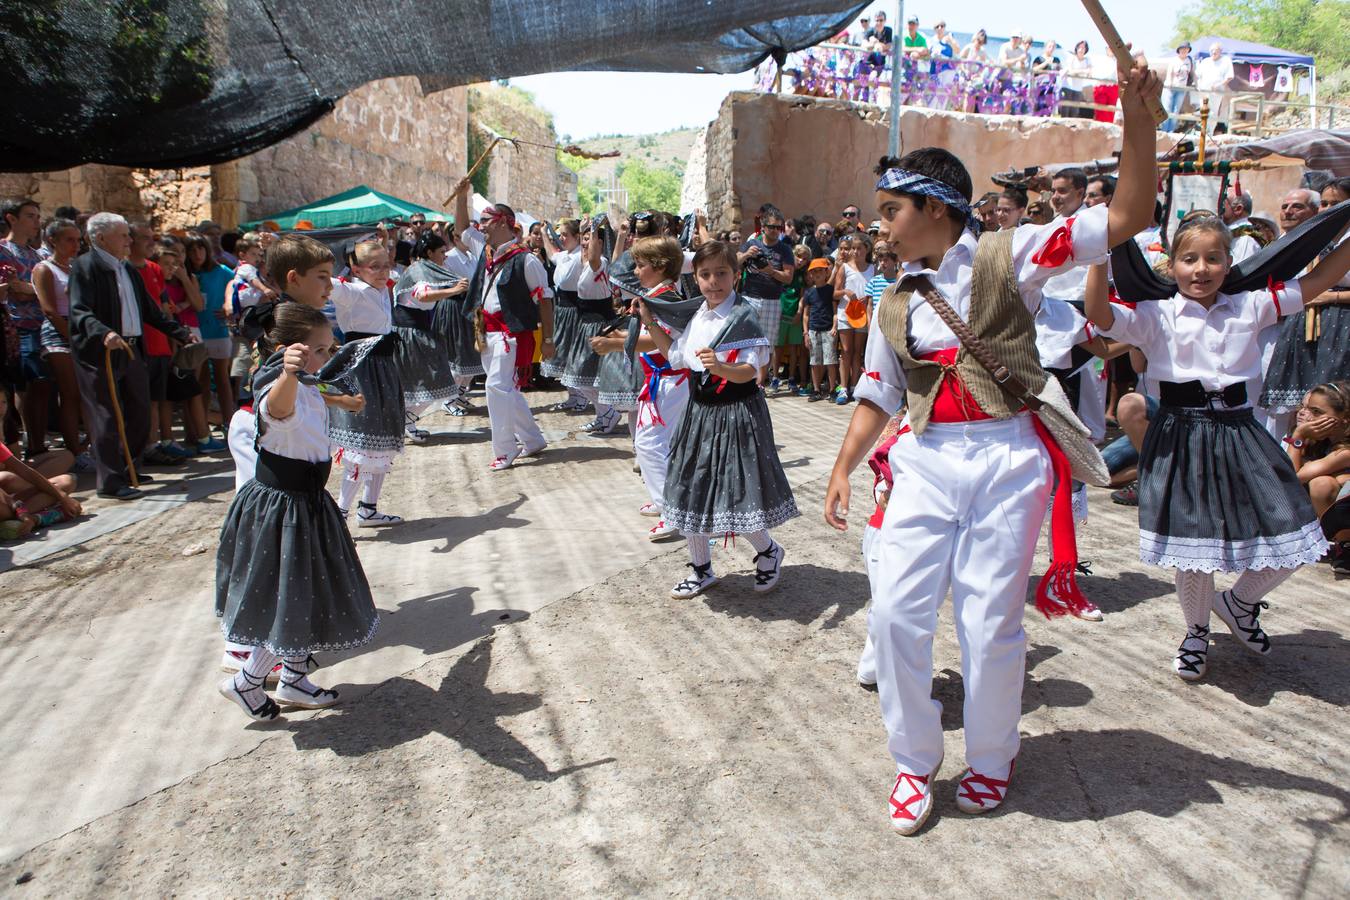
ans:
x=526 y=177
x=387 y=135
x=167 y=198
x=813 y=155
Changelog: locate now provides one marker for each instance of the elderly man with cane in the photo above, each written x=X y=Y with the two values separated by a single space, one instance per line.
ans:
x=109 y=309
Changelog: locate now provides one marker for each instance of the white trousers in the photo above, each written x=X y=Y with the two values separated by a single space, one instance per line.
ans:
x=508 y=410
x=973 y=498
x=651 y=438
x=871 y=549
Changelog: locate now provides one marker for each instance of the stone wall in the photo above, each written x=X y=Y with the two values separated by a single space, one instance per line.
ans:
x=526 y=177
x=385 y=134
x=813 y=155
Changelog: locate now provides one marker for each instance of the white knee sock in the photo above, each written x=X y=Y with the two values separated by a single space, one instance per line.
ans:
x=700 y=552
x=295 y=673
x=760 y=540
x=347 y=488
x=374 y=484
x=1195 y=590
x=251 y=677
x=1254 y=584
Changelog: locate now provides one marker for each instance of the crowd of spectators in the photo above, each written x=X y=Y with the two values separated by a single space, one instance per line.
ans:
x=1022 y=76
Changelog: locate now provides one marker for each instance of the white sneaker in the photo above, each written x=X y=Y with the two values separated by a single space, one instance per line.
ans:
x=976 y=793
x=702 y=579
x=1243 y=620
x=908 y=812
x=650 y=510
x=370 y=517
x=1190 y=663
x=767 y=579
x=660 y=531
x=1090 y=613
x=504 y=462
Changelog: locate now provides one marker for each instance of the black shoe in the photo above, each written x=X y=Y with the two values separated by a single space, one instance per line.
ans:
x=158 y=457
x=1128 y=495
x=144 y=478
x=125 y=492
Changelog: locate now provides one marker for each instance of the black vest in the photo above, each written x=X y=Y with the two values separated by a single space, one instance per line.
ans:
x=519 y=310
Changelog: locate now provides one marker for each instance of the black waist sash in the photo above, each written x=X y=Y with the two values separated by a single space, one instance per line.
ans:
x=287 y=474
x=1192 y=395
x=710 y=390
x=564 y=299
x=409 y=317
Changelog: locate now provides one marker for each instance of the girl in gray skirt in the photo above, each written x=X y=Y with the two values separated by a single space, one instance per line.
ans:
x=724 y=476
x=1216 y=491
x=288 y=580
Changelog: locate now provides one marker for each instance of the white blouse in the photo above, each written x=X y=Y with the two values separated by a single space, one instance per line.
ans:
x=1218 y=346
x=361 y=307
x=567 y=268
x=883 y=381
x=703 y=328
x=592 y=284
x=301 y=435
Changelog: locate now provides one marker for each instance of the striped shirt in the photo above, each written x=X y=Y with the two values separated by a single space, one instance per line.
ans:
x=876 y=287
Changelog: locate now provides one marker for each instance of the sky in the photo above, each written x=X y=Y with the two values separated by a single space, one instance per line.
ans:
x=587 y=104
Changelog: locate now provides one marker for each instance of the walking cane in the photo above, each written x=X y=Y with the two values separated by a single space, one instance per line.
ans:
x=117 y=414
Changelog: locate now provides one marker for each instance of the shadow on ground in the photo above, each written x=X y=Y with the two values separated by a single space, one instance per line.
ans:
x=462 y=709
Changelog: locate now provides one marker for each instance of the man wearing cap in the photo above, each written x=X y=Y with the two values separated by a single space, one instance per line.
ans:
x=916 y=46
x=1180 y=71
x=1213 y=74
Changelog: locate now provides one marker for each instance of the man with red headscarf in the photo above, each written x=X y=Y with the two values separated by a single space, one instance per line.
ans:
x=511 y=293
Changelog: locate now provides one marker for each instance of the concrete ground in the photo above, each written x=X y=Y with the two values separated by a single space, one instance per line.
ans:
x=537 y=718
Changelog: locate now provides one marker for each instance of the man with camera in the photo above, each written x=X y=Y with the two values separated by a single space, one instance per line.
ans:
x=768 y=265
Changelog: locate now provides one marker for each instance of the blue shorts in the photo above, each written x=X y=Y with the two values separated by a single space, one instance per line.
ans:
x=31 y=365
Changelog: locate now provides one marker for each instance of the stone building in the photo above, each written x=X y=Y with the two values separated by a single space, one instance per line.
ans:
x=386 y=134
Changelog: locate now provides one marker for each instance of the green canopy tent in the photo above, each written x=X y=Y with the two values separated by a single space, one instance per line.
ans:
x=361 y=205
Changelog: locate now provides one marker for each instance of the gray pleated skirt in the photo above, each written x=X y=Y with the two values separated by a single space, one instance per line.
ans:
x=424 y=367
x=564 y=324
x=1217 y=494
x=620 y=381
x=455 y=330
x=287 y=574
x=724 y=476
x=378 y=428
x=583 y=363
x=1293 y=369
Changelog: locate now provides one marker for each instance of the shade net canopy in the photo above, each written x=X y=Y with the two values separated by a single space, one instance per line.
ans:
x=361 y=205
x=1249 y=52
x=160 y=83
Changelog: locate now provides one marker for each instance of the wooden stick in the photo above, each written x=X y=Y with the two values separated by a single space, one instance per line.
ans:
x=1122 y=53
x=117 y=414
x=478 y=163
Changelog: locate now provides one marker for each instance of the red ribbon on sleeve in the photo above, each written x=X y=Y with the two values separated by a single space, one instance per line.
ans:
x=1058 y=249
x=1275 y=288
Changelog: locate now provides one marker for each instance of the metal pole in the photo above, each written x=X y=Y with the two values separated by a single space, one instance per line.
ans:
x=897 y=53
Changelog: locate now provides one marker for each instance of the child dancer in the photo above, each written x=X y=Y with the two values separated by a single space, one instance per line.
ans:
x=1216 y=493
x=665 y=390
x=974 y=471
x=370 y=440
x=510 y=289
x=288 y=580
x=436 y=354
x=303 y=268
x=724 y=475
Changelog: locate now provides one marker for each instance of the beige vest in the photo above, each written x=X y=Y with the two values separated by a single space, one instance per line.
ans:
x=997 y=315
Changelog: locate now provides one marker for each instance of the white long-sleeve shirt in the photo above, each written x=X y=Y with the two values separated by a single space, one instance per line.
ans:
x=884 y=382
x=361 y=307
x=1218 y=347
